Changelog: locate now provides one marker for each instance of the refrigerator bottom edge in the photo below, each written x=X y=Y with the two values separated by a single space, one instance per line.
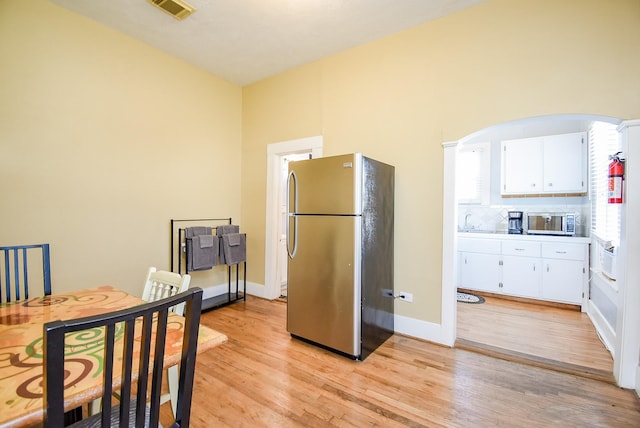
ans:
x=374 y=336
x=328 y=348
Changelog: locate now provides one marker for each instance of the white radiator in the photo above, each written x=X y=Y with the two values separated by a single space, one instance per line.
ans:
x=608 y=262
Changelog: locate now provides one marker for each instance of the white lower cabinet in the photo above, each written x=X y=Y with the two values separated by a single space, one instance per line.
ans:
x=521 y=268
x=479 y=262
x=564 y=272
x=521 y=276
x=480 y=272
x=554 y=271
x=562 y=280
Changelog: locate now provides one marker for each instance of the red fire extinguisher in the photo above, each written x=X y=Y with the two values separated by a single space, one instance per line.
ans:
x=616 y=175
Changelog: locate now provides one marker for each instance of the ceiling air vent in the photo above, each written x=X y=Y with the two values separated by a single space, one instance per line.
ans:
x=176 y=8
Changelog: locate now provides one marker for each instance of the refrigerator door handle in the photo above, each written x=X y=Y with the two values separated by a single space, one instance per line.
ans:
x=292 y=178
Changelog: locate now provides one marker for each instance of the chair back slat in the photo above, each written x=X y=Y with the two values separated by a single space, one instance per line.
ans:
x=18 y=271
x=161 y=284
x=152 y=335
x=46 y=269
x=109 y=343
x=127 y=367
x=7 y=280
x=25 y=275
x=143 y=368
x=158 y=358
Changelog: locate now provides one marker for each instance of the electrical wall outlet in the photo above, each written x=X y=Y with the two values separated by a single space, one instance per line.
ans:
x=407 y=297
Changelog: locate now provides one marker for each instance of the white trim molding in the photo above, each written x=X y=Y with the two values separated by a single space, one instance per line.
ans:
x=449 y=252
x=253 y=289
x=604 y=330
x=626 y=362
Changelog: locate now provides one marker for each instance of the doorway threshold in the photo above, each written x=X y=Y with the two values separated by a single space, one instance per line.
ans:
x=535 y=361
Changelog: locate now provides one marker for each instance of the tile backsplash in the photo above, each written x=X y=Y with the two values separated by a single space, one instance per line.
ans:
x=494 y=218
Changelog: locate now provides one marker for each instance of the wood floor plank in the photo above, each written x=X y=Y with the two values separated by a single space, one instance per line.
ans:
x=263 y=378
x=550 y=333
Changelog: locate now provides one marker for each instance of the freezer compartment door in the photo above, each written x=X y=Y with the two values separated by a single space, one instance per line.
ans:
x=325 y=185
x=323 y=301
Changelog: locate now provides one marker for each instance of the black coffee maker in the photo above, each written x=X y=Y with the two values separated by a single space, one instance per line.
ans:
x=515 y=222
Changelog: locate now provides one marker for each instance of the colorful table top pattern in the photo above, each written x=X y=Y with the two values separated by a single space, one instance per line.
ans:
x=21 y=349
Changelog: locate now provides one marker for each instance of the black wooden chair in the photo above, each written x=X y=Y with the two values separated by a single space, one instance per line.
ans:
x=16 y=270
x=143 y=410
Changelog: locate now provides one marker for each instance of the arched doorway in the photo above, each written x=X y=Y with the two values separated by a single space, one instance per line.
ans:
x=627 y=341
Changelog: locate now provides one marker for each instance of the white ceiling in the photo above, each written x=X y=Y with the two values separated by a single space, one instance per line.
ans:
x=244 y=41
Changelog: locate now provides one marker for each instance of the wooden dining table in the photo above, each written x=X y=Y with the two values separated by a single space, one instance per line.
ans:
x=21 y=349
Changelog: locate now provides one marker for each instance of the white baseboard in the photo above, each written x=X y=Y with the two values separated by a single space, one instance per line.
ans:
x=256 y=289
x=253 y=289
x=604 y=330
x=420 y=329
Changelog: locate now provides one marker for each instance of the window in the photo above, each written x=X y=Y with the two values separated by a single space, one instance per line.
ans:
x=605 y=217
x=473 y=174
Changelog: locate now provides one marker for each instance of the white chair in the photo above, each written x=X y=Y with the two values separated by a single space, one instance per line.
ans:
x=161 y=284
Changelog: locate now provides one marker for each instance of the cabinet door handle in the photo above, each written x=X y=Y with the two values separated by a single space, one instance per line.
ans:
x=547 y=268
x=534 y=268
x=561 y=252
x=550 y=184
x=519 y=249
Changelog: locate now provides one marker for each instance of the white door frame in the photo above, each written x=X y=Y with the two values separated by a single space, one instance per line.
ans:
x=626 y=361
x=449 y=246
x=275 y=152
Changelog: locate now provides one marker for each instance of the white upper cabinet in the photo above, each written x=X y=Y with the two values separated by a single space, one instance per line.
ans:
x=544 y=165
x=565 y=166
x=522 y=166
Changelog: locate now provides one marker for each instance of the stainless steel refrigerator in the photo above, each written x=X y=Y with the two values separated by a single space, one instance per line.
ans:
x=340 y=244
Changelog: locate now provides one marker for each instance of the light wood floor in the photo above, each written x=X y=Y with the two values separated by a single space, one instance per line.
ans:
x=551 y=337
x=263 y=378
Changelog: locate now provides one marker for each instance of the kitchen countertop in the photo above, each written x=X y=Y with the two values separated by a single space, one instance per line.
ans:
x=504 y=235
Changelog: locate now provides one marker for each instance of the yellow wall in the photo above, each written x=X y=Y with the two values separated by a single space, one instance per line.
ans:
x=91 y=120
x=399 y=98
x=103 y=140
